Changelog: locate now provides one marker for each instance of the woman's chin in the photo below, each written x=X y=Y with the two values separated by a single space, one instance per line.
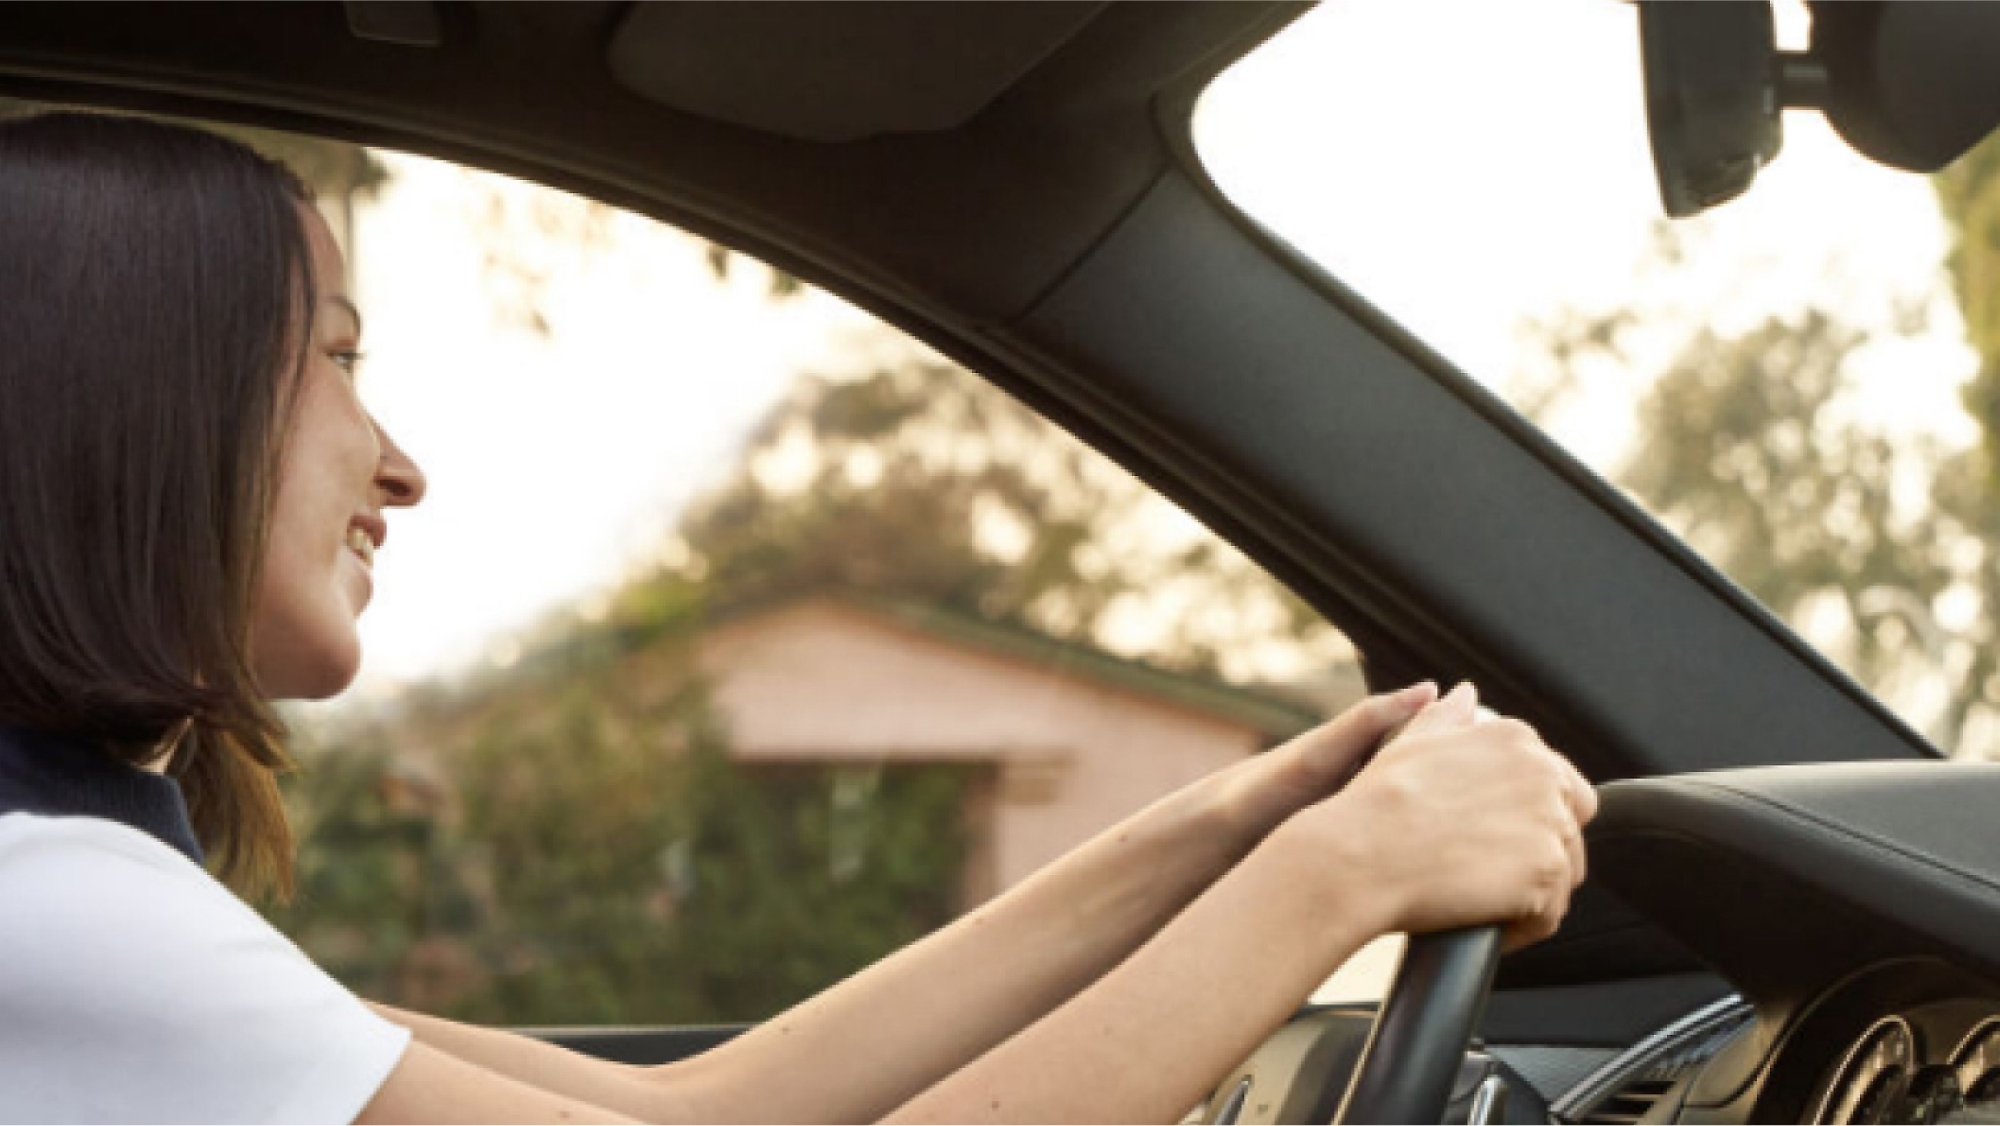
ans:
x=321 y=674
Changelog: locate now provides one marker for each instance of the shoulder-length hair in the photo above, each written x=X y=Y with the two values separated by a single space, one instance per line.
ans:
x=155 y=295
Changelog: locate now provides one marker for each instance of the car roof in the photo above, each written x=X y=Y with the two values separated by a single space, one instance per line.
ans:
x=1039 y=214
x=837 y=142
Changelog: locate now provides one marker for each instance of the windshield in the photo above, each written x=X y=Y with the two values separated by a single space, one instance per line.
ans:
x=1784 y=381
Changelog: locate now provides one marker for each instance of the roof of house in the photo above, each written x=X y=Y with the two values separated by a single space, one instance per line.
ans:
x=1275 y=712
x=1267 y=712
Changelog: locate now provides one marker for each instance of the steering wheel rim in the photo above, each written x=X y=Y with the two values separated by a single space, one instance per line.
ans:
x=1426 y=1022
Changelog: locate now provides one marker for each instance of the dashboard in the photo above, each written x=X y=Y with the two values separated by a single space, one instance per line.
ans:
x=1924 y=1065
x=1937 y=1062
x=1856 y=909
x=1847 y=920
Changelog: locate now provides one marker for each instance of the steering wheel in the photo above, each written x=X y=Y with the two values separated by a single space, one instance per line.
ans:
x=1421 y=1032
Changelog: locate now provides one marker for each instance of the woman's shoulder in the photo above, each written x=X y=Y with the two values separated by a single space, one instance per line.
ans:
x=37 y=845
x=86 y=884
x=189 y=1005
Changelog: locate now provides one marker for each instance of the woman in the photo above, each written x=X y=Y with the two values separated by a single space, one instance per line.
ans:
x=191 y=496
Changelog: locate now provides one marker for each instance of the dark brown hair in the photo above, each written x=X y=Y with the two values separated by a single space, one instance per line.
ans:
x=154 y=285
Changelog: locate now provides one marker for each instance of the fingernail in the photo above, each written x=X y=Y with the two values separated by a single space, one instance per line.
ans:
x=1416 y=695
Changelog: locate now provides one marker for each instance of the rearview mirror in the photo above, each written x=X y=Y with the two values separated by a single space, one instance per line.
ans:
x=1711 y=98
x=1912 y=85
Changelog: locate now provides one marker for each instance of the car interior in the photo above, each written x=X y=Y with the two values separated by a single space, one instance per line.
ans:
x=1793 y=911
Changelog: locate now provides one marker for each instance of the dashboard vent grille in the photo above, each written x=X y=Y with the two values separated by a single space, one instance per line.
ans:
x=1629 y=1103
x=1652 y=1080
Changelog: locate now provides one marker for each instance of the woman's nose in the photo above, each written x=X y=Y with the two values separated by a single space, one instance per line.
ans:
x=398 y=476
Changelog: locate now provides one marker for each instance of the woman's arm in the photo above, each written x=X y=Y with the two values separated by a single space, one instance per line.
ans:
x=874 y=1041
x=1455 y=825
x=866 y=1046
x=1498 y=816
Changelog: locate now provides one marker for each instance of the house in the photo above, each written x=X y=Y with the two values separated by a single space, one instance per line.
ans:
x=1065 y=739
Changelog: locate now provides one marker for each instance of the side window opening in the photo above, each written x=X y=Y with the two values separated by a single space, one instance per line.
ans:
x=740 y=640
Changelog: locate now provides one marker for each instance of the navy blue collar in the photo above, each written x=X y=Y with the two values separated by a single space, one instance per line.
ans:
x=59 y=777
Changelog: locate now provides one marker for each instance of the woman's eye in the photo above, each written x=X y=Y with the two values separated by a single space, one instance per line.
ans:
x=348 y=359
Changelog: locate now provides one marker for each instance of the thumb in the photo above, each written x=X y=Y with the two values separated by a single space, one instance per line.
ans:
x=1459 y=708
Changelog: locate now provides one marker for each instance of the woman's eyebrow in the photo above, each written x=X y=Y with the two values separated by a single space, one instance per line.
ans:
x=343 y=301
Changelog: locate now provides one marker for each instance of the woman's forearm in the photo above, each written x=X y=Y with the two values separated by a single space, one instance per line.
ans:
x=1146 y=1041
x=870 y=1044
x=1454 y=824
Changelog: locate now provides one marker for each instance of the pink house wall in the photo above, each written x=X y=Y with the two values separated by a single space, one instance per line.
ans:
x=824 y=681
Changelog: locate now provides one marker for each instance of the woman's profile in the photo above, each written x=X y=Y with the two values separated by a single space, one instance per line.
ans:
x=192 y=494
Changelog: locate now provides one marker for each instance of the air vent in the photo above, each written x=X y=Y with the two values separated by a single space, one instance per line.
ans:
x=1627 y=1090
x=1630 y=1103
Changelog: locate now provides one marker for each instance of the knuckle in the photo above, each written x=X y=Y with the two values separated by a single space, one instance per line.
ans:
x=1552 y=869
x=1588 y=795
x=1402 y=791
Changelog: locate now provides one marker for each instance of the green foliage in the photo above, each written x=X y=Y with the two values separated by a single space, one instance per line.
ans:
x=566 y=808
x=794 y=878
x=1969 y=194
x=365 y=881
x=1744 y=448
x=1752 y=445
x=602 y=860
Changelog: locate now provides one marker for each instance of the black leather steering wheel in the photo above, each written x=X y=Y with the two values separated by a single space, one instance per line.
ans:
x=1420 y=1035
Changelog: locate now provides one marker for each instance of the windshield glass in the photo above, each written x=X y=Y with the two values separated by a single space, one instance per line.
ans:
x=1784 y=381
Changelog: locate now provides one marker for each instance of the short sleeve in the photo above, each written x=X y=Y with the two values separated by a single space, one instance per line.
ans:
x=135 y=988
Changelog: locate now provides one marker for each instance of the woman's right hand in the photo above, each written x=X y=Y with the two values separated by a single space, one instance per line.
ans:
x=1461 y=820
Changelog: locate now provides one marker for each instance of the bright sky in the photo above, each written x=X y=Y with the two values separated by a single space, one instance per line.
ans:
x=555 y=461
x=1466 y=165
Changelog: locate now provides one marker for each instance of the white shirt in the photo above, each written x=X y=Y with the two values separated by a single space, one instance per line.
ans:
x=135 y=988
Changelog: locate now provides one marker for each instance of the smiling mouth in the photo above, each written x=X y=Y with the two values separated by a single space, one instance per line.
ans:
x=362 y=545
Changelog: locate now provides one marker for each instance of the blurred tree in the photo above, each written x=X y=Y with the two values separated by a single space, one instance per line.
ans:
x=607 y=862
x=1752 y=445
x=1969 y=193
x=721 y=260
x=790 y=879
x=565 y=790
x=1747 y=448
x=920 y=480
x=375 y=882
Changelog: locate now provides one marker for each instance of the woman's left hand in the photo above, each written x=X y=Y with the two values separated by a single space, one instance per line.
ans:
x=1255 y=796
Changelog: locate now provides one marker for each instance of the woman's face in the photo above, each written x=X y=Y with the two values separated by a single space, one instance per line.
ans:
x=339 y=471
